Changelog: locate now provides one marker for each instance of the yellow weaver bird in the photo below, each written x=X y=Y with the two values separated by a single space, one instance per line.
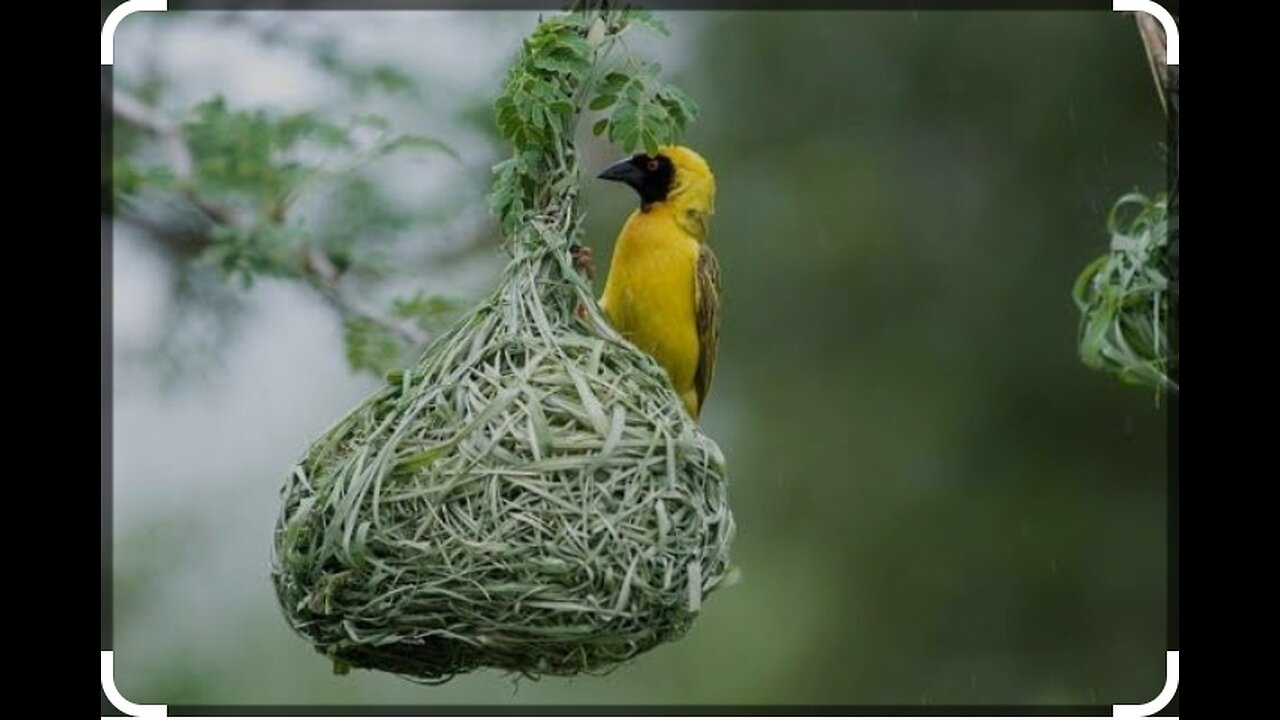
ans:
x=663 y=288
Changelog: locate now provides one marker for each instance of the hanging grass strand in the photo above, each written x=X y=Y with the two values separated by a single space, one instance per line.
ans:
x=1123 y=296
x=531 y=495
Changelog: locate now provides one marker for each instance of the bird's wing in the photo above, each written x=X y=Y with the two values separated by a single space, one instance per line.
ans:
x=707 y=313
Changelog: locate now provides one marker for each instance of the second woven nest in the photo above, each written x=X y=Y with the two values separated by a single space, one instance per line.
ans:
x=528 y=497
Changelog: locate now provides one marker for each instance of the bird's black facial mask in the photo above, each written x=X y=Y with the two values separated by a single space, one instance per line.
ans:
x=649 y=175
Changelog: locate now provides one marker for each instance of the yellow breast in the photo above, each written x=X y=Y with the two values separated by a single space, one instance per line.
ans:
x=649 y=294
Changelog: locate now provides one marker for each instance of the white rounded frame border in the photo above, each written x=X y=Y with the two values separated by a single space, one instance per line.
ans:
x=121 y=12
x=1162 y=16
x=119 y=701
x=1159 y=702
x=1128 y=711
x=132 y=6
x=1147 y=709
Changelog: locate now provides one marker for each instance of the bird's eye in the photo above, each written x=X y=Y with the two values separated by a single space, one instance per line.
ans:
x=652 y=164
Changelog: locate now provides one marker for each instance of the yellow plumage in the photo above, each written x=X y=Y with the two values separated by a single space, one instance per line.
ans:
x=662 y=291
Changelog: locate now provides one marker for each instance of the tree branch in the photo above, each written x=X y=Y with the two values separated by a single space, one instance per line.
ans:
x=1154 y=41
x=321 y=275
x=315 y=268
x=176 y=151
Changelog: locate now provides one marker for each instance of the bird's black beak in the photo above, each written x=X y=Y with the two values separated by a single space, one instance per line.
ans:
x=624 y=171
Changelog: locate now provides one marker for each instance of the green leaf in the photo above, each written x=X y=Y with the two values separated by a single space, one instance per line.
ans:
x=651 y=120
x=391 y=79
x=612 y=82
x=600 y=126
x=578 y=46
x=603 y=101
x=634 y=89
x=681 y=107
x=428 y=312
x=650 y=141
x=560 y=63
x=647 y=20
x=371 y=347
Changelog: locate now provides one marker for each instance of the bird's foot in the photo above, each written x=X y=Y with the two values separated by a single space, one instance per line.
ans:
x=583 y=260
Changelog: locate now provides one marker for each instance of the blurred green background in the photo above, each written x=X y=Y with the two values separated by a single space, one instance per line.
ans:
x=937 y=503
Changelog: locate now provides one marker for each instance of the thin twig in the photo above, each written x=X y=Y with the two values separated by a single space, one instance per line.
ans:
x=176 y=150
x=322 y=276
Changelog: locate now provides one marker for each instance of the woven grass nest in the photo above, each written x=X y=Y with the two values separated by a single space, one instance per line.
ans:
x=530 y=496
x=527 y=498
